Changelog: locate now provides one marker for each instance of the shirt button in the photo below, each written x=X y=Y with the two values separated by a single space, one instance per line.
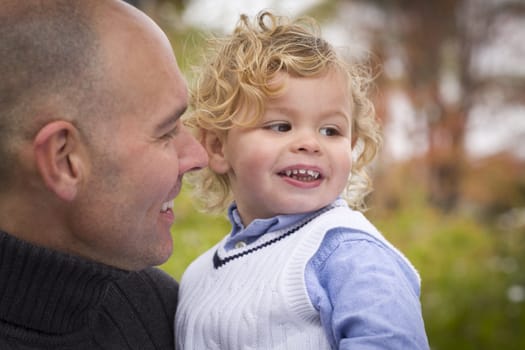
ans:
x=240 y=244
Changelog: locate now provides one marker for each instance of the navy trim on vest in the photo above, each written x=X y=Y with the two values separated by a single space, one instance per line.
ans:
x=218 y=261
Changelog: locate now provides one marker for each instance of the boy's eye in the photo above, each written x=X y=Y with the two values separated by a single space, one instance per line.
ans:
x=279 y=127
x=329 y=131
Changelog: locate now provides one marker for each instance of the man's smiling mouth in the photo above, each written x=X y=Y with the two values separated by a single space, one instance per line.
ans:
x=166 y=206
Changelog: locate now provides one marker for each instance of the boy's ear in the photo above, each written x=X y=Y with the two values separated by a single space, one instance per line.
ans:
x=57 y=150
x=214 y=146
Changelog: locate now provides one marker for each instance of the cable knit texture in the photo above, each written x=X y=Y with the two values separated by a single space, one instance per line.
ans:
x=255 y=297
x=50 y=300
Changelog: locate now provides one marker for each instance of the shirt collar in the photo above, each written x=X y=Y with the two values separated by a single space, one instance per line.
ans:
x=257 y=227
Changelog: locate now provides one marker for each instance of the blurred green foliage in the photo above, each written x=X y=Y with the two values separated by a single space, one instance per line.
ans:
x=472 y=273
x=473 y=286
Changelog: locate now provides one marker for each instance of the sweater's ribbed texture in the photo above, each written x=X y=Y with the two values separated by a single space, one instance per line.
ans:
x=257 y=300
x=50 y=300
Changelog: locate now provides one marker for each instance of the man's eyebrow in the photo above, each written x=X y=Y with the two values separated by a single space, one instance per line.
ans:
x=171 y=119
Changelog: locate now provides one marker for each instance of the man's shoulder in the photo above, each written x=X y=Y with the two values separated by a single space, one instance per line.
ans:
x=148 y=285
x=139 y=308
x=152 y=276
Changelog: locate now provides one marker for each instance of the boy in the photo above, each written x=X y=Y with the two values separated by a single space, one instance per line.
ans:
x=279 y=112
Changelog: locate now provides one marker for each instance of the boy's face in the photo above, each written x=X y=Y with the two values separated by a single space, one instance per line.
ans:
x=298 y=158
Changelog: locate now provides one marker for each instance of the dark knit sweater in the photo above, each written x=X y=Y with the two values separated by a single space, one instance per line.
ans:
x=50 y=300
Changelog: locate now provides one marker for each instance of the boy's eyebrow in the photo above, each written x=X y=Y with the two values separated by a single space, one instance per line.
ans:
x=172 y=118
x=292 y=111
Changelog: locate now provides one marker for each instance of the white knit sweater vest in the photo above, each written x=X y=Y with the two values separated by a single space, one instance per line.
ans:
x=256 y=298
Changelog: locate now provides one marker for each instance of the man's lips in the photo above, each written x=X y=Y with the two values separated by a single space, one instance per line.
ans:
x=168 y=205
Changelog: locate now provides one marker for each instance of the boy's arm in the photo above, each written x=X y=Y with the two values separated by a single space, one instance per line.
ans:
x=368 y=297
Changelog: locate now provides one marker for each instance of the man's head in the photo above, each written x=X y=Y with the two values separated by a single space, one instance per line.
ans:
x=90 y=128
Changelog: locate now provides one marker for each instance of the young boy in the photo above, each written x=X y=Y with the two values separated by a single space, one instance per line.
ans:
x=289 y=130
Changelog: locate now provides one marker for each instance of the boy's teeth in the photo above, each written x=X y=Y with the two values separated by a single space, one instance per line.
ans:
x=312 y=173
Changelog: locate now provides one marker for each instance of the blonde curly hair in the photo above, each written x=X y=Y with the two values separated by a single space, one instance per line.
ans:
x=238 y=72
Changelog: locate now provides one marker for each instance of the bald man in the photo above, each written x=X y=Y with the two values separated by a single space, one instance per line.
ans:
x=92 y=154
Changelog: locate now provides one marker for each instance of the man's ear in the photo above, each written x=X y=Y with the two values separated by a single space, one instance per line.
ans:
x=213 y=144
x=57 y=151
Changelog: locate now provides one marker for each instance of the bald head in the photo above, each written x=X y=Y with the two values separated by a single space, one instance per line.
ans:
x=55 y=60
x=134 y=51
x=47 y=63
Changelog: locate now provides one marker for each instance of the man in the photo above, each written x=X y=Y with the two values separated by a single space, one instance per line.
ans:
x=92 y=153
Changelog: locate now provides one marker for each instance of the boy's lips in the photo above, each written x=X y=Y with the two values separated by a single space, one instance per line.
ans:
x=302 y=173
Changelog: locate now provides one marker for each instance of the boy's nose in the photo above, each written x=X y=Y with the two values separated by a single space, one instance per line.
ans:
x=306 y=142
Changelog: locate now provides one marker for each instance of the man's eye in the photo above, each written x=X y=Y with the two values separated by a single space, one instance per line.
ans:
x=279 y=127
x=329 y=131
x=171 y=134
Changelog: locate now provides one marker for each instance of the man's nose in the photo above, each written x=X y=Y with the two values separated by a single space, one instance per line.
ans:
x=193 y=155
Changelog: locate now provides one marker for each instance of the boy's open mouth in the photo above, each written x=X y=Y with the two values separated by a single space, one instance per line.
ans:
x=305 y=175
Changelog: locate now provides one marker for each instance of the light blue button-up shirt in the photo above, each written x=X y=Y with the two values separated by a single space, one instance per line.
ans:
x=367 y=296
